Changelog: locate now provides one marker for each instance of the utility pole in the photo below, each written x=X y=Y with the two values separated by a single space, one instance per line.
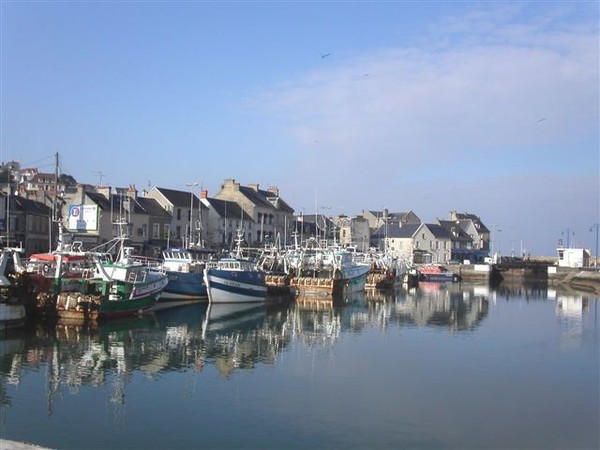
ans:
x=190 y=232
x=569 y=233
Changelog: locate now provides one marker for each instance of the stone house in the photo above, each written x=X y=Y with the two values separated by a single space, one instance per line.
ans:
x=475 y=228
x=462 y=244
x=354 y=231
x=92 y=216
x=272 y=216
x=418 y=243
x=188 y=216
x=377 y=218
x=224 y=220
x=25 y=223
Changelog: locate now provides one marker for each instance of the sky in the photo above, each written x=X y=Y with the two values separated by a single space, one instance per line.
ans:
x=489 y=108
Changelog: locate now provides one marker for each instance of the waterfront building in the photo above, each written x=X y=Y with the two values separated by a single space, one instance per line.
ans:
x=419 y=243
x=317 y=226
x=378 y=218
x=272 y=215
x=354 y=231
x=24 y=223
x=90 y=213
x=224 y=219
x=462 y=248
x=574 y=257
x=475 y=228
x=188 y=216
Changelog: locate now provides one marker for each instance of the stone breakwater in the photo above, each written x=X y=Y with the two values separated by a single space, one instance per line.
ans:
x=583 y=280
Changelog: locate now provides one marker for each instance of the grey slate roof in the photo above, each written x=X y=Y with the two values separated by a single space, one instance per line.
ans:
x=139 y=205
x=22 y=204
x=99 y=200
x=395 y=231
x=438 y=231
x=153 y=208
x=179 y=198
x=465 y=217
x=261 y=198
x=228 y=209
x=450 y=226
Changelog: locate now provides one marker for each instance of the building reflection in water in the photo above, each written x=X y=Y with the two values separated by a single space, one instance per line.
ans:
x=572 y=308
x=238 y=337
x=445 y=305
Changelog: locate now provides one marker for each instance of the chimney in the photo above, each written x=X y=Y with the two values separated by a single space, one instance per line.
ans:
x=204 y=193
x=254 y=186
x=230 y=183
x=132 y=191
x=274 y=190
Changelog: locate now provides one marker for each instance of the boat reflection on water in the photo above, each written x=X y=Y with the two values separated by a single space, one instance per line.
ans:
x=79 y=353
x=234 y=337
x=242 y=335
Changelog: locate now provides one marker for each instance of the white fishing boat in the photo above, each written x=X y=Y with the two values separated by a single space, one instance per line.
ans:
x=327 y=271
x=235 y=279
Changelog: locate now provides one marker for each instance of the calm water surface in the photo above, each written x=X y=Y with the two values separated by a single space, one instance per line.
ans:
x=450 y=366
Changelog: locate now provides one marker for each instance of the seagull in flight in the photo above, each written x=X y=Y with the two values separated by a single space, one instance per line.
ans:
x=325 y=55
x=541 y=120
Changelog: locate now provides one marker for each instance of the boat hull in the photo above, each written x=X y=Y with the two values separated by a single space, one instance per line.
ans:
x=224 y=286
x=97 y=299
x=440 y=278
x=12 y=315
x=184 y=286
x=349 y=281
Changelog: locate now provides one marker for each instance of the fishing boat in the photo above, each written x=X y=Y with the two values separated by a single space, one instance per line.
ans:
x=327 y=271
x=123 y=287
x=387 y=272
x=234 y=279
x=15 y=291
x=60 y=270
x=185 y=270
x=437 y=273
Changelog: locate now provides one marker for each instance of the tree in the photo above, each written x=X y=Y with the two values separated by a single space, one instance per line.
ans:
x=67 y=180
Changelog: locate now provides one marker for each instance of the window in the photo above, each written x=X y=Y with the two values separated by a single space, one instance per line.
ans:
x=178 y=213
x=167 y=231
x=155 y=231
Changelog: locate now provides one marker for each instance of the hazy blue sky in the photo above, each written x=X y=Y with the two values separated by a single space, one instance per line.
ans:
x=482 y=107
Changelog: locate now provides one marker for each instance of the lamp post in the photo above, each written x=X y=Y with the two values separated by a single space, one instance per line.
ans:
x=596 y=225
x=189 y=237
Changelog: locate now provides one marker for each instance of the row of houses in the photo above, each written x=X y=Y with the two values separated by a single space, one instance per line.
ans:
x=160 y=217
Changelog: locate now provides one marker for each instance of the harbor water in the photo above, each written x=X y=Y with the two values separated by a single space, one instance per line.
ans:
x=442 y=366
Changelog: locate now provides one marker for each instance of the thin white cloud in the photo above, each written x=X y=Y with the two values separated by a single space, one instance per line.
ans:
x=500 y=98
x=536 y=88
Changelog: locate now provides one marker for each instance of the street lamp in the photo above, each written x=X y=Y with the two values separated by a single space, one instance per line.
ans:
x=191 y=186
x=596 y=225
